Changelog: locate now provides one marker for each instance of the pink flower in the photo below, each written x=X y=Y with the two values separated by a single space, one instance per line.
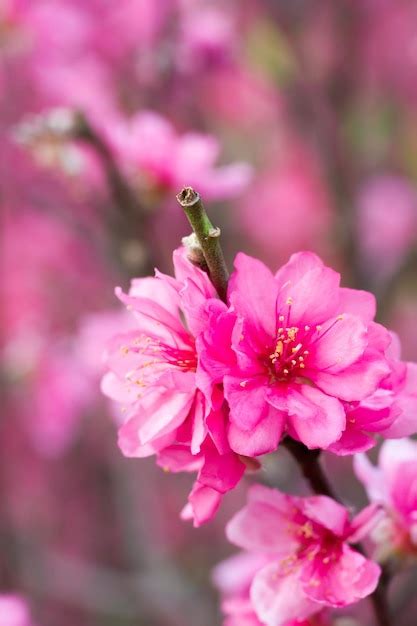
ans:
x=308 y=562
x=391 y=411
x=208 y=36
x=233 y=577
x=290 y=185
x=385 y=236
x=153 y=375
x=393 y=483
x=301 y=347
x=159 y=158
x=14 y=611
x=388 y=55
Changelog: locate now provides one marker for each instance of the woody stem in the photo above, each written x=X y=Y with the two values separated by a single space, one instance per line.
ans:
x=208 y=238
x=308 y=461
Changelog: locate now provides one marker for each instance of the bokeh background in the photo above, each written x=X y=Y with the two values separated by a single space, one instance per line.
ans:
x=297 y=122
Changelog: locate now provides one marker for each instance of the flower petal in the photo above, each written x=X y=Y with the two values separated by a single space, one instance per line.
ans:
x=347 y=578
x=326 y=512
x=246 y=399
x=253 y=292
x=203 y=503
x=341 y=342
x=311 y=289
x=263 y=524
x=315 y=419
x=279 y=599
x=356 y=302
x=263 y=438
x=356 y=382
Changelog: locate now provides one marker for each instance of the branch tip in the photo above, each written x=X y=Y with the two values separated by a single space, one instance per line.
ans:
x=188 y=197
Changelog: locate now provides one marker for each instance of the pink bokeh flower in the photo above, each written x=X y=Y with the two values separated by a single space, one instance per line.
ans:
x=159 y=158
x=308 y=561
x=392 y=483
x=153 y=375
x=385 y=235
x=301 y=347
x=290 y=185
x=14 y=611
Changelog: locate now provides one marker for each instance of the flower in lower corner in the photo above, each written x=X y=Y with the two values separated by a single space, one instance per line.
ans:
x=14 y=611
x=292 y=350
x=153 y=376
x=233 y=578
x=392 y=483
x=297 y=557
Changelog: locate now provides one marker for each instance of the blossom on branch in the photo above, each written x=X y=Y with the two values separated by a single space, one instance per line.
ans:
x=295 y=349
x=297 y=558
x=153 y=375
x=392 y=483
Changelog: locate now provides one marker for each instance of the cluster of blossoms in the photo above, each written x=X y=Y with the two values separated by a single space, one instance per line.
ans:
x=210 y=386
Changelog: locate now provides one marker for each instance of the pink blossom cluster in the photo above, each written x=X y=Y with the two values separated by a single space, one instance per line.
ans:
x=209 y=386
x=205 y=384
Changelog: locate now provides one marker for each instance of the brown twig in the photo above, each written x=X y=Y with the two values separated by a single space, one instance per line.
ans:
x=309 y=463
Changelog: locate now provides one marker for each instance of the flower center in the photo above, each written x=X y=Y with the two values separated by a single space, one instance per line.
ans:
x=288 y=357
x=152 y=357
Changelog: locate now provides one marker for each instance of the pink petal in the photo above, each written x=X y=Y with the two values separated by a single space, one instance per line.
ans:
x=314 y=418
x=393 y=453
x=252 y=292
x=345 y=580
x=217 y=422
x=178 y=458
x=262 y=439
x=311 y=288
x=185 y=270
x=116 y=389
x=371 y=477
x=246 y=399
x=356 y=302
x=161 y=290
x=364 y=522
x=405 y=404
x=131 y=445
x=262 y=525
x=356 y=382
x=221 y=472
x=199 y=429
x=277 y=598
x=340 y=343
x=163 y=411
x=351 y=442
x=203 y=503
x=326 y=512
x=235 y=574
x=152 y=317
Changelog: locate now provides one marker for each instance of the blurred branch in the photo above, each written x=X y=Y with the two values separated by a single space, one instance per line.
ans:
x=160 y=593
x=309 y=463
x=124 y=198
x=313 y=102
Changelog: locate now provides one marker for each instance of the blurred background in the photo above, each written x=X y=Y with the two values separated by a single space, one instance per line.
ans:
x=297 y=122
